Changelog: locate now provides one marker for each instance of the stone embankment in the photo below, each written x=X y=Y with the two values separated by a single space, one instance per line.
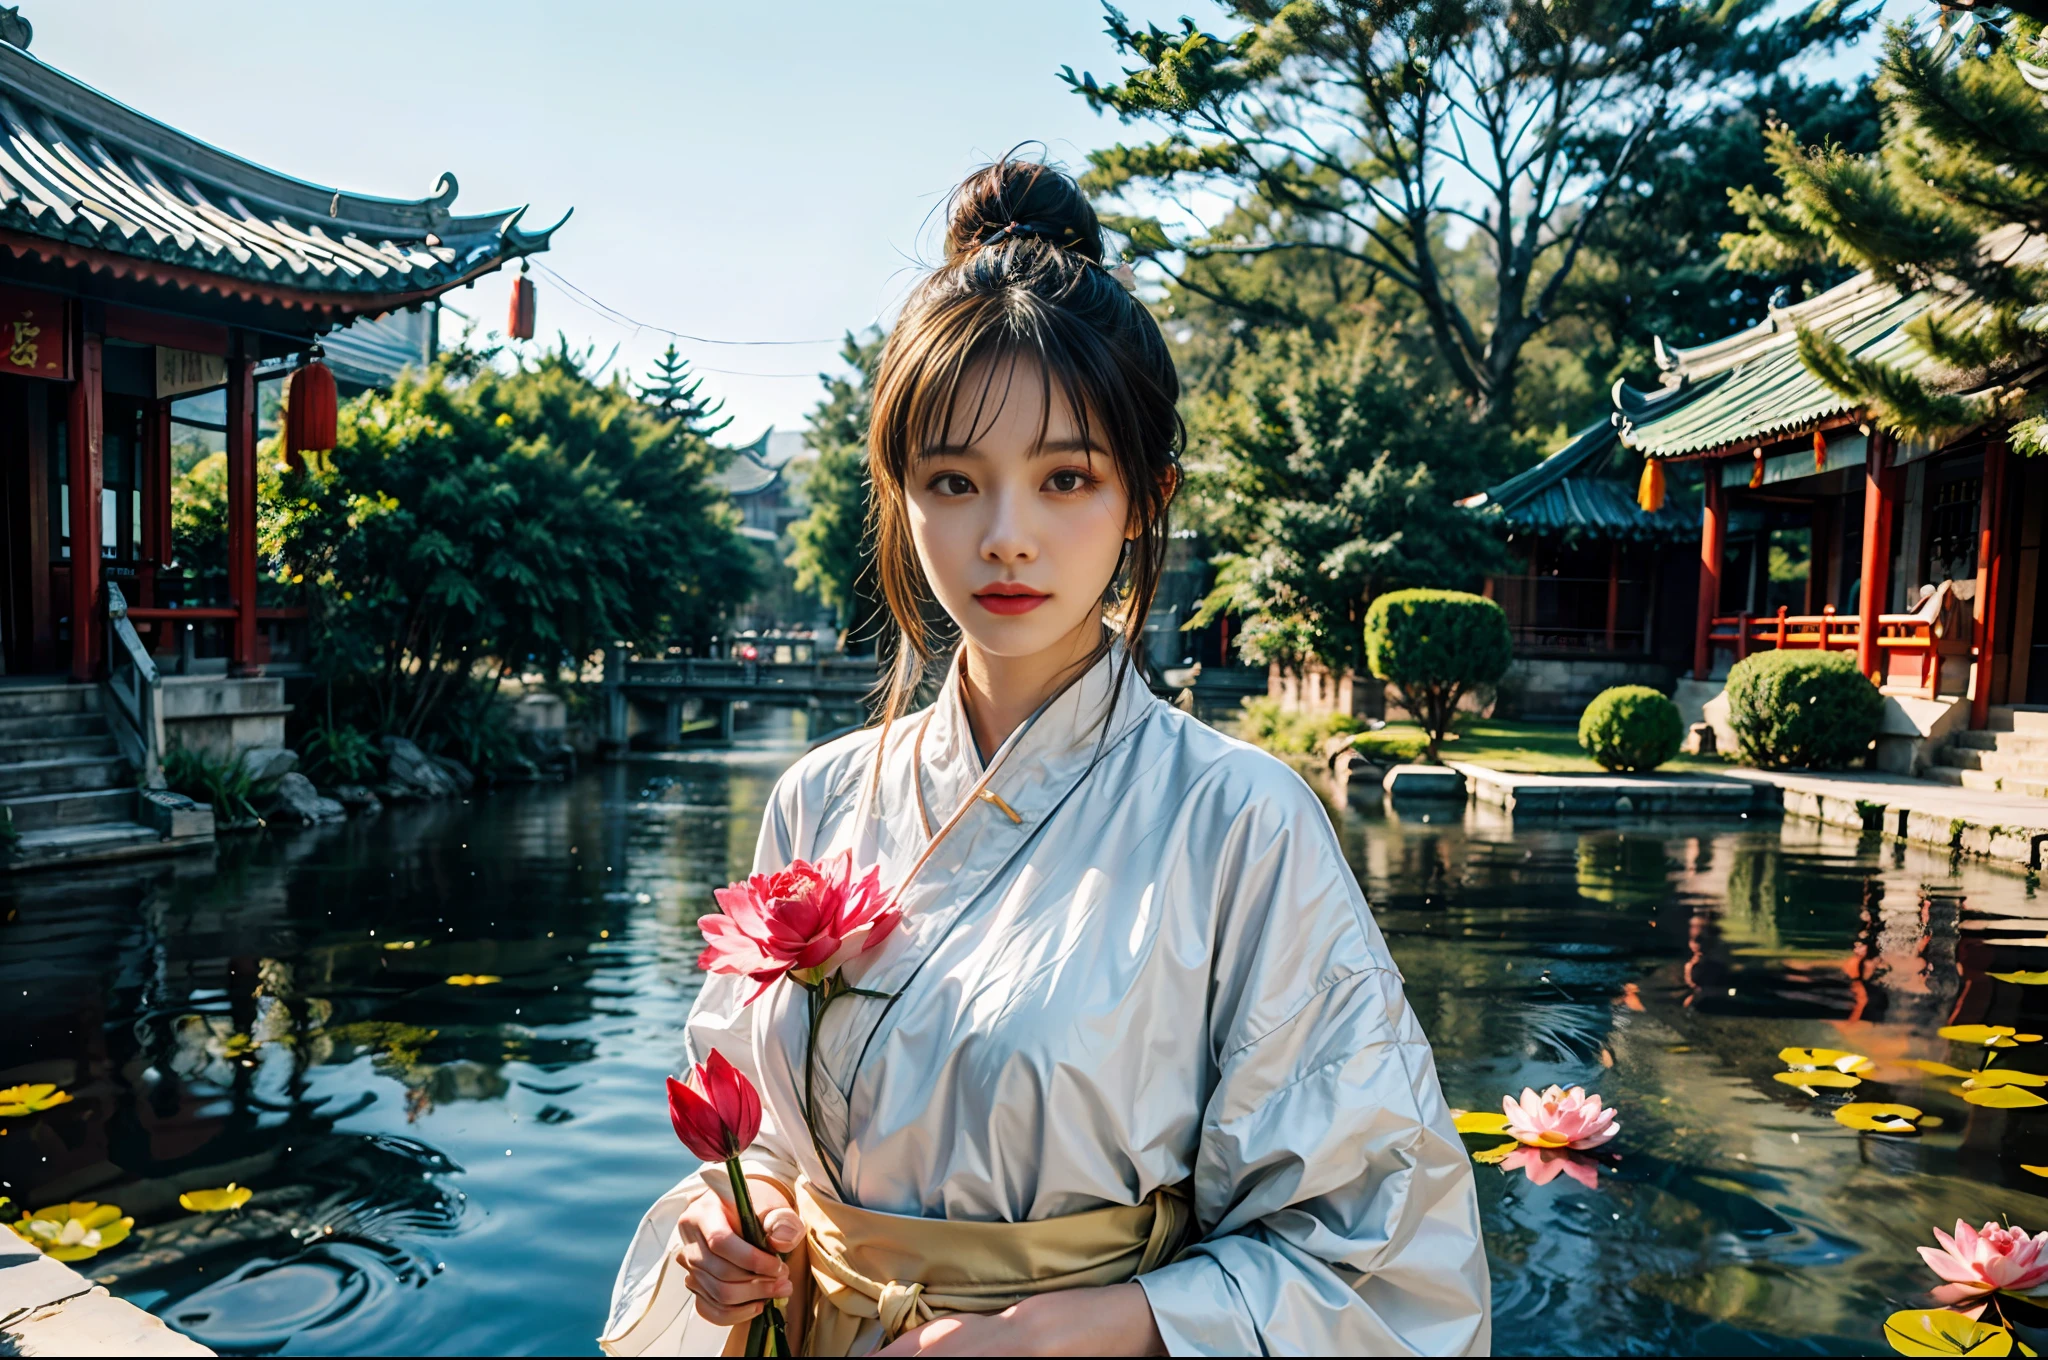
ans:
x=47 y=1308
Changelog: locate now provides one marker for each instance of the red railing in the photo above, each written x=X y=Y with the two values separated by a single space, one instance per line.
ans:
x=1910 y=646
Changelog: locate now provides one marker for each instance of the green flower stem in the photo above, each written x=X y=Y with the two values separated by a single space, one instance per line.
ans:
x=819 y=997
x=766 y=1336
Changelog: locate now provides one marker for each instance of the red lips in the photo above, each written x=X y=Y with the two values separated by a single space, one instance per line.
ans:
x=1010 y=597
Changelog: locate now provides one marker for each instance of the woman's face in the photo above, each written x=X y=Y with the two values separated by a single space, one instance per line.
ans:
x=1018 y=523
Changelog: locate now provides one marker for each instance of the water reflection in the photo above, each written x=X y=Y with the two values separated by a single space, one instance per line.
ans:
x=455 y=1168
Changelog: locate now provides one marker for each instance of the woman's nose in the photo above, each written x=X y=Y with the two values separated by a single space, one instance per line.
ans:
x=1009 y=537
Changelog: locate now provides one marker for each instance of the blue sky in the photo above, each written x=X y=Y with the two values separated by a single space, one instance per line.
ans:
x=739 y=171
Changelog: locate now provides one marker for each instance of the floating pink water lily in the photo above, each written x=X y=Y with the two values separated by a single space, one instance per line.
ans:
x=1987 y=1260
x=1559 y=1119
x=805 y=922
x=1545 y=1164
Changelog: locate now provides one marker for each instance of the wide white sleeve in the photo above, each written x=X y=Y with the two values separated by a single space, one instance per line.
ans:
x=652 y=1313
x=1334 y=1196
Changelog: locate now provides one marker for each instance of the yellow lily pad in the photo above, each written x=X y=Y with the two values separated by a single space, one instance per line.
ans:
x=1991 y=1036
x=2024 y=979
x=1875 y=1117
x=38 y=1096
x=1479 y=1121
x=2006 y=1076
x=74 y=1232
x=2034 y=1170
x=1936 y=1069
x=474 y=979
x=1839 y=1059
x=2002 y=1097
x=230 y=1196
x=1943 y=1331
x=1495 y=1154
x=1826 y=1076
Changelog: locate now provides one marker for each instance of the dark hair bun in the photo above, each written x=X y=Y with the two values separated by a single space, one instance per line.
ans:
x=1021 y=200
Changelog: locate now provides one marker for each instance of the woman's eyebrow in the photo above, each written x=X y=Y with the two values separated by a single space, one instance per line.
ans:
x=1051 y=448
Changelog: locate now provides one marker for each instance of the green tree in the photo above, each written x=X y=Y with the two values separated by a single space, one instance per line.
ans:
x=1952 y=207
x=672 y=389
x=1315 y=471
x=1355 y=115
x=832 y=546
x=1434 y=647
x=474 y=521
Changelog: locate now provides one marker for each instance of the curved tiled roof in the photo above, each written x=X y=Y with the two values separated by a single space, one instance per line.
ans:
x=88 y=174
x=1575 y=490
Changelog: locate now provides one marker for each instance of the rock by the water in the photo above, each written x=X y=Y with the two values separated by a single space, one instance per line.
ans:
x=1424 y=781
x=356 y=798
x=268 y=764
x=411 y=768
x=297 y=798
x=456 y=771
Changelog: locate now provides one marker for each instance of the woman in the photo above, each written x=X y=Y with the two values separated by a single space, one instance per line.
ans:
x=1135 y=1074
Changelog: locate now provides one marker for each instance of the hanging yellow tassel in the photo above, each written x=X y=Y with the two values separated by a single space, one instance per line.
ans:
x=1756 y=471
x=1650 y=491
x=1820 y=452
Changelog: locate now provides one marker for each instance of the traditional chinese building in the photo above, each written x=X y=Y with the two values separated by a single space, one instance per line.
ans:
x=140 y=270
x=1602 y=591
x=1822 y=530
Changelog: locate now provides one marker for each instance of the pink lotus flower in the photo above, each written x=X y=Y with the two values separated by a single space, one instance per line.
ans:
x=1988 y=1260
x=1559 y=1119
x=806 y=922
x=1543 y=1164
x=717 y=1112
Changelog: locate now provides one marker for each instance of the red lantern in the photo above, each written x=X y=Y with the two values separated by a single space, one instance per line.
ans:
x=519 y=317
x=309 y=411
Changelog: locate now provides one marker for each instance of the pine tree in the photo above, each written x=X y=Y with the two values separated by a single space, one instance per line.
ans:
x=672 y=390
x=1954 y=206
x=832 y=549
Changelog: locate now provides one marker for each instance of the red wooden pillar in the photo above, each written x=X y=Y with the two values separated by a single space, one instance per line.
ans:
x=85 y=429
x=1877 y=555
x=1990 y=576
x=1713 y=540
x=155 y=529
x=241 y=438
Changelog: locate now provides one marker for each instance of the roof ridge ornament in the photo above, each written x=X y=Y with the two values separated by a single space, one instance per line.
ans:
x=15 y=31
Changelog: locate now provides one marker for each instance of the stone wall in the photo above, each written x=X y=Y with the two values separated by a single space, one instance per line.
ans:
x=222 y=718
x=1558 y=689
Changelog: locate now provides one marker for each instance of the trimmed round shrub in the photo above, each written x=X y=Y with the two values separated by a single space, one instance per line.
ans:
x=1435 y=647
x=1809 y=709
x=1631 y=728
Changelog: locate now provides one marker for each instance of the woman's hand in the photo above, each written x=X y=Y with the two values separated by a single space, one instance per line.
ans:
x=731 y=1279
x=1115 y=1320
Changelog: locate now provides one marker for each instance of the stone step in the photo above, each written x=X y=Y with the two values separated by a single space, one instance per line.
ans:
x=92 y=724
x=1987 y=781
x=2018 y=743
x=65 y=776
x=1997 y=762
x=96 y=840
x=15 y=750
x=2031 y=721
x=47 y=811
x=35 y=701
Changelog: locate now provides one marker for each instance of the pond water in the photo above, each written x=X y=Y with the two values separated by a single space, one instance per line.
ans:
x=454 y=1169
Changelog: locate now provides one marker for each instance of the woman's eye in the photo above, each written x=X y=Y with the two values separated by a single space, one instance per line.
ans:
x=1068 y=480
x=951 y=484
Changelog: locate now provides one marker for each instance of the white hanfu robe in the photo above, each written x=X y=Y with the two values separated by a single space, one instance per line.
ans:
x=1161 y=972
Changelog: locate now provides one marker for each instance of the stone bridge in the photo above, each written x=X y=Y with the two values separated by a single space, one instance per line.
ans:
x=661 y=696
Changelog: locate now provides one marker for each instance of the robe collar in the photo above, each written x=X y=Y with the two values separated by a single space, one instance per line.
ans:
x=1037 y=765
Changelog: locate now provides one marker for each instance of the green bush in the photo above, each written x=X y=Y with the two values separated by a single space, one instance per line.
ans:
x=1302 y=734
x=1433 y=647
x=1808 y=709
x=222 y=784
x=1631 y=727
x=340 y=754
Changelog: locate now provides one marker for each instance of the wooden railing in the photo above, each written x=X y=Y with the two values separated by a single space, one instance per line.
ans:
x=134 y=690
x=1910 y=647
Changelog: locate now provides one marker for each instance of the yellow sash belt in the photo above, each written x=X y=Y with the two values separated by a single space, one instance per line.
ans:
x=875 y=1276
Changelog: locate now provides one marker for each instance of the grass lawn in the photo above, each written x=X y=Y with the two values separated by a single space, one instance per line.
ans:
x=1516 y=747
